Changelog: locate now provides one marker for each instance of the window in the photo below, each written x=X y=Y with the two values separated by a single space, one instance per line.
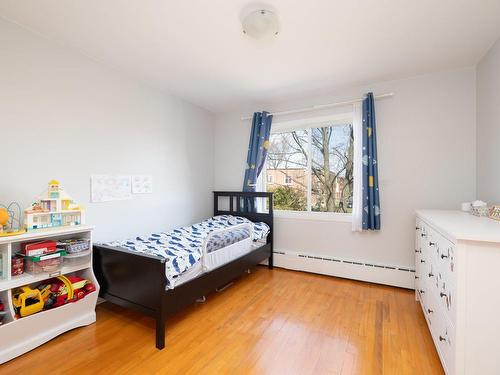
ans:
x=315 y=159
x=270 y=178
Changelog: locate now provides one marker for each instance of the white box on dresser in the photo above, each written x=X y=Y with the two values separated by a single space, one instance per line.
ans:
x=457 y=281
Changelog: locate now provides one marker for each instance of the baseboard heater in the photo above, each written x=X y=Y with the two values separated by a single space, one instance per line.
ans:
x=349 y=269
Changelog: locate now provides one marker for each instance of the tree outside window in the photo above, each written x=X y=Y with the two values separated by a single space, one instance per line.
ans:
x=316 y=167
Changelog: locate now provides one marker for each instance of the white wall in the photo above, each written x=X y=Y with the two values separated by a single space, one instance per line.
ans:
x=64 y=116
x=426 y=150
x=488 y=126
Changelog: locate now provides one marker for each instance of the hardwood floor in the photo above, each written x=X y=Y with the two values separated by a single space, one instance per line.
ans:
x=269 y=322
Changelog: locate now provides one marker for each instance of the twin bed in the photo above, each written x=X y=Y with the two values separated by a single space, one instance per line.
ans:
x=160 y=273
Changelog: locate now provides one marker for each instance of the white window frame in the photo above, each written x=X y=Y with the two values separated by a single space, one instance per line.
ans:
x=269 y=179
x=285 y=178
x=307 y=124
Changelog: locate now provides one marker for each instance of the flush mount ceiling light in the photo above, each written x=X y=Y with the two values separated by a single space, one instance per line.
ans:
x=261 y=24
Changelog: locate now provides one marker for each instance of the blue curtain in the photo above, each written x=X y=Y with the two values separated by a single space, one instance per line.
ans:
x=257 y=151
x=371 y=202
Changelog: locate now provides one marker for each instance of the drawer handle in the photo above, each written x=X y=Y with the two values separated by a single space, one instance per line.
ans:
x=441 y=338
x=431 y=274
x=429 y=311
x=431 y=243
x=422 y=291
x=418 y=251
x=422 y=261
x=443 y=294
x=444 y=256
x=416 y=277
x=424 y=235
x=417 y=228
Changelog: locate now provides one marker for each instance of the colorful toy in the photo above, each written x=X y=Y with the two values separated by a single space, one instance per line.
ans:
x=81 y=287
x=39 y=248
x=54 y=208
x=2 y=312
x=4 y=217
x=48 y=297
x=65 y=289
x=10 y=223
x=62 y=291
x=27 y=301
x=16 y=265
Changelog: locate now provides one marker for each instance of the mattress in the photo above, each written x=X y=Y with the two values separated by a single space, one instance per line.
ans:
x=200 y=247
x=190 y=274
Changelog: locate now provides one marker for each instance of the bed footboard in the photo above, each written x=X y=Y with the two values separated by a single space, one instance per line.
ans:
x=133 y=280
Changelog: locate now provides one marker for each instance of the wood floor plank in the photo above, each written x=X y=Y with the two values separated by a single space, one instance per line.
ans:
x=268 y=322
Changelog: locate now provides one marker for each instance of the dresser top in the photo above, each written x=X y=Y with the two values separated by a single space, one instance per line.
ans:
x=462 y=226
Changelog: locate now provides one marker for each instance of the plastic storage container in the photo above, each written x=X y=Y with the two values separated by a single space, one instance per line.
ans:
x=44 y=264
x=74 y=246
x=77 y=259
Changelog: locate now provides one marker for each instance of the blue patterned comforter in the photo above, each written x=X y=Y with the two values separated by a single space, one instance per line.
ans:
x=182 y=248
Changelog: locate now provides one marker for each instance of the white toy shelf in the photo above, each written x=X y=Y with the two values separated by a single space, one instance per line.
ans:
x=18 y=336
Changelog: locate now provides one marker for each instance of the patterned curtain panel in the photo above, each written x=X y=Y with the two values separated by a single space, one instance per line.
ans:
x=371 y=202
x=257 y=152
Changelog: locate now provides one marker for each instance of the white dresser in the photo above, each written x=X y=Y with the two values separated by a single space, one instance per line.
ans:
x=457 y=281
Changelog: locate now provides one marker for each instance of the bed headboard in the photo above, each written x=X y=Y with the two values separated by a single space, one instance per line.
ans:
x=235 y=198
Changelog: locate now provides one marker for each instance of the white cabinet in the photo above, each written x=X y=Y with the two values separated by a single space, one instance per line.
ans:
x=17 y=336
x=457 y=281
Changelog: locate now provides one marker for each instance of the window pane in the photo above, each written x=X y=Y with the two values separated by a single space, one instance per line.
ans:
x=332 y=168
x=287 y=170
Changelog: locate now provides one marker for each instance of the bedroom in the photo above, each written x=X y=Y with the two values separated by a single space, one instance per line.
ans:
x=167 y=91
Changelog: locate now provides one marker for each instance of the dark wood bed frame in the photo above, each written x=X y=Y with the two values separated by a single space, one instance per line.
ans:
x=137 y=281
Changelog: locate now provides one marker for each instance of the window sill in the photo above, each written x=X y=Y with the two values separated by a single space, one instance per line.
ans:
x=313 y=216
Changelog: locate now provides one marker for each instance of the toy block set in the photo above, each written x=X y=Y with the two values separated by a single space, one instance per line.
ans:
x=54 y=208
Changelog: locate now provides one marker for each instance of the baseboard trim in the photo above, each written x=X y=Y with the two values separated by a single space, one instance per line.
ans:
x=373 y=273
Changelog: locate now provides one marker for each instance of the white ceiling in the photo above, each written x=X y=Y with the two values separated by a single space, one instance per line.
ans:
x=195 y=48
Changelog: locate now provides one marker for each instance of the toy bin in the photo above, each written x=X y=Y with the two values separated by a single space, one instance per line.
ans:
x=44 y=264
x=77 y=259
x=74 y=246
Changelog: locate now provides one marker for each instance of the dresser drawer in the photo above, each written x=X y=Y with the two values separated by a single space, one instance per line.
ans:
x=441 y=271
x=429 y=307
x=420 y=255
x=443 y=333
x=447 y=278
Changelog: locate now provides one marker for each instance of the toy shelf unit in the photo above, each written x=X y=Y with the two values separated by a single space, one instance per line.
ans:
x=20 y=334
